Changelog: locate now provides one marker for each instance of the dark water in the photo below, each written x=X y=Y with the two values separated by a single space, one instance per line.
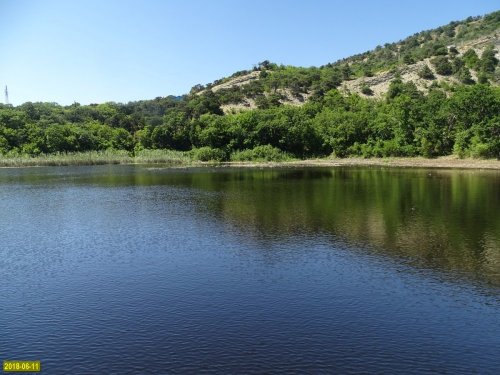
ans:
x=130 y=270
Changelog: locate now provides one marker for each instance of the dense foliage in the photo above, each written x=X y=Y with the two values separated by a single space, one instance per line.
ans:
x=463 y=118
x=406 y=123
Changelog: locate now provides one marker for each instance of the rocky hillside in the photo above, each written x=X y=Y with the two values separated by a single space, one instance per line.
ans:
x=462 y=52
x=379 y=83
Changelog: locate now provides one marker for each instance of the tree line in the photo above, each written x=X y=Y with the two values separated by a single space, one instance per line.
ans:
x=465 y=122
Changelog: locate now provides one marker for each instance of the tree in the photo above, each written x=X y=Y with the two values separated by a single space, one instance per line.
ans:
x=197 y=88
x=329 y=79
x=408 y=59
x=397 y=87
x=482 y=78
x=426 y=73
x=464 y=76
x=346 y=72
x=488 y=60
x=266 y=64
x=453 y=51
x=367 y=71
x=472 y=105
x=365 y=89
x=471 y=59
x=204 y=103
x=439 y=49
x=457 y=65
x=442 y=65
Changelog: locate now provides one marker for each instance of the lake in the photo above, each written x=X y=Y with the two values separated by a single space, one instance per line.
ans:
x=134 y=270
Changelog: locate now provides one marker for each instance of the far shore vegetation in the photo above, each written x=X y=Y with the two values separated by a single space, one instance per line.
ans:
x=405 y=124
x=259 y=158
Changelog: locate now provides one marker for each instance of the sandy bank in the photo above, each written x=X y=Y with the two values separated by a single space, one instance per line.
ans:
x=441 y=162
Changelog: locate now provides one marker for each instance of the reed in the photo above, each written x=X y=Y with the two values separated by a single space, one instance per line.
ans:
x=98 y=157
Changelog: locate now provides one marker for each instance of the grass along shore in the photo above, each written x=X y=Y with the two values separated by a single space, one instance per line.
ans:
x=179 y=158
x=98 y=158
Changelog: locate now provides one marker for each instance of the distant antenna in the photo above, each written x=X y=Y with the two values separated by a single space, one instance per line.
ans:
x=6 y=95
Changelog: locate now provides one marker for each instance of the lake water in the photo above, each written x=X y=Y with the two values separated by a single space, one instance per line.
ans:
x=136 y=270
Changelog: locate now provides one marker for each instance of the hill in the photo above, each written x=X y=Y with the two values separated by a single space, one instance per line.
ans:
x=434 y=93
x=459 y=44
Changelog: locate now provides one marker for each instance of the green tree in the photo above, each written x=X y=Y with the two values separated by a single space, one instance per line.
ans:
x=464 y=76
x=488 y=60
x=471 y=59
x=442 y=65
x=346 y=72
x=426 y=73
x=365 y=89
x=206 y=103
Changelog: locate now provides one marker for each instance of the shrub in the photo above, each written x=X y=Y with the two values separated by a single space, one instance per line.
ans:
x=464 y=76
x=439 y=49
x=442 y=65
x=209 y=154
x=453 y=51
x=481 y=150
x=260 y=153
x=365 y=89
x=471 y=59
x=482 y=78
x=408 y=59
x=462 y=140
x=488 y=60
x=426 y=72
x=367 y=72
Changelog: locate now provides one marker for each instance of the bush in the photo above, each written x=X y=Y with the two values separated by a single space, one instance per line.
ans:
x=481 y=150
x=442 y=65
x=408 y=59
x=464 y=76
x=453 y=51
x=260 y=153
x=365 y=89
x=462 y=140
x=367 y=72
x=426 y=72
x=482 y=78
x=471 y=59
x=269 y=101
x=488 y=60
x=209 y=154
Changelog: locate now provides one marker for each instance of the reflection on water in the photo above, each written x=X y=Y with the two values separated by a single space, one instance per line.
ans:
x=441 y=219
x=216 y=270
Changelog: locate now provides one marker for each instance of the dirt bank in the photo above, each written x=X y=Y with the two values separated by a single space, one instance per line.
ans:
x=441 y=162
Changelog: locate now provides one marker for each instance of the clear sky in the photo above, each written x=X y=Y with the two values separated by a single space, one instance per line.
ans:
x=92 y=51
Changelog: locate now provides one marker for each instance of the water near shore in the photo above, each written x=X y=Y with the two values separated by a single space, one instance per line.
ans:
x=129 y=269
x=174 y=158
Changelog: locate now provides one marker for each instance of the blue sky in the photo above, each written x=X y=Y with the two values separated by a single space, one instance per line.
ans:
x=93 y=51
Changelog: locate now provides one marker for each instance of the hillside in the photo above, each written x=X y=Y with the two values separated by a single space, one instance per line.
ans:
x=370 y=73
x=435 y=93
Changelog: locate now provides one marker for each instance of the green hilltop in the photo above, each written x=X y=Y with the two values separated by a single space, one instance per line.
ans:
x=434 y=93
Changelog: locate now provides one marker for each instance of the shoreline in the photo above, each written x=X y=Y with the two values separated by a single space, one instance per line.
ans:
x=443 y=162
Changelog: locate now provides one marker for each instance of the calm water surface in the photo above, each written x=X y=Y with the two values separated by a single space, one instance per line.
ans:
x=134 y=270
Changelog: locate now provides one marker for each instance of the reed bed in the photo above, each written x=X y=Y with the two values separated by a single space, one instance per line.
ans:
x=98 y=158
